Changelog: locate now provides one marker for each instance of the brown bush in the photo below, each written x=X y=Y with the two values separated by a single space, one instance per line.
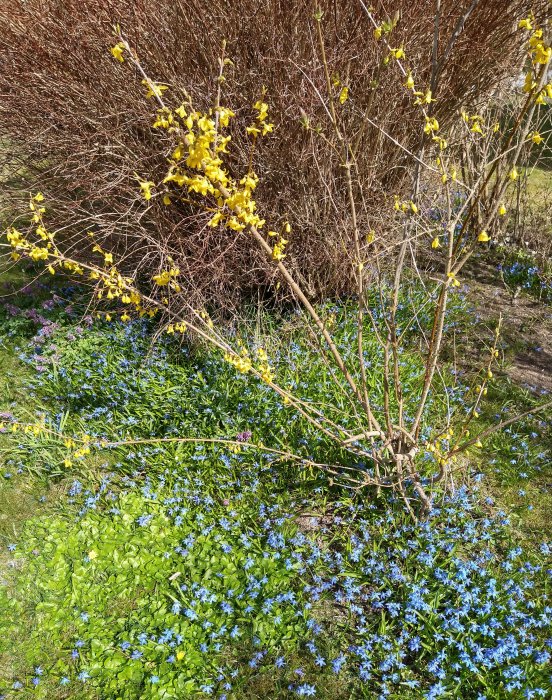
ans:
x=78 y=126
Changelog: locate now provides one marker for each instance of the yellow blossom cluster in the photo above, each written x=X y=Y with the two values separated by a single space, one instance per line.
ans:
x=78 y=448
x=173 y=328
x=118 y=51
x=540 y=53
x=474 y=122
x=197 y=167
x=168 y=278
x=422 y=98
x=263 y=367
x=407 y=207
x=39 y=244
x=40 y=249
x=15 y=427
x=243 y=363
x=440 y=446
x=262 y=126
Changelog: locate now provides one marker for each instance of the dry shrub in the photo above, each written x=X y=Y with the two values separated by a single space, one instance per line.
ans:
x=78 y=127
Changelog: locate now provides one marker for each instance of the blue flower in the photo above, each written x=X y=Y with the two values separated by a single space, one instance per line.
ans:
x=305 y=690
x=338 y=663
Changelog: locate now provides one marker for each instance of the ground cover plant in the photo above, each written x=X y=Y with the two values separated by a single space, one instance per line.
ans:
x=194 y=510
x=331 y=489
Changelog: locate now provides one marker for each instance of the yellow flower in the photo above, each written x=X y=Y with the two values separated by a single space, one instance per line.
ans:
x=435 y=243
x=483 y=237
x=162 y=279
x=344 y=95
x=125 y=317
x=378 y=31
x=278 y=250
x=537 y=138
x=513 y=174
x=253 y=130
x=262 y=108
x=542 y=54
x=224 y=115
x=167 y=200
x=453 y=280
x=154 y=89
x=146 y=186
x=164 y=119
x=525 y=24
x=92 y=554
x=39 y=197
x=397 y=53
x=431 y=125
x=179 y=655
x=235 y=224
x=181 y=112
x=529 y=83
x=215 y=220
x=117 y=51
x=423 y=98
x=38 y=254
x=502 y=210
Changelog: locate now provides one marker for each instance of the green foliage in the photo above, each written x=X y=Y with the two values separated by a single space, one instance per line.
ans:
x=131 y=567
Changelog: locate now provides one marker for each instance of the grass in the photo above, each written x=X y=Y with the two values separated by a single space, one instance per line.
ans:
x=539 y=184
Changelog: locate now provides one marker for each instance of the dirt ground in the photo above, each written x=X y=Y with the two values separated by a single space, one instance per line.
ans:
x=526 y=326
